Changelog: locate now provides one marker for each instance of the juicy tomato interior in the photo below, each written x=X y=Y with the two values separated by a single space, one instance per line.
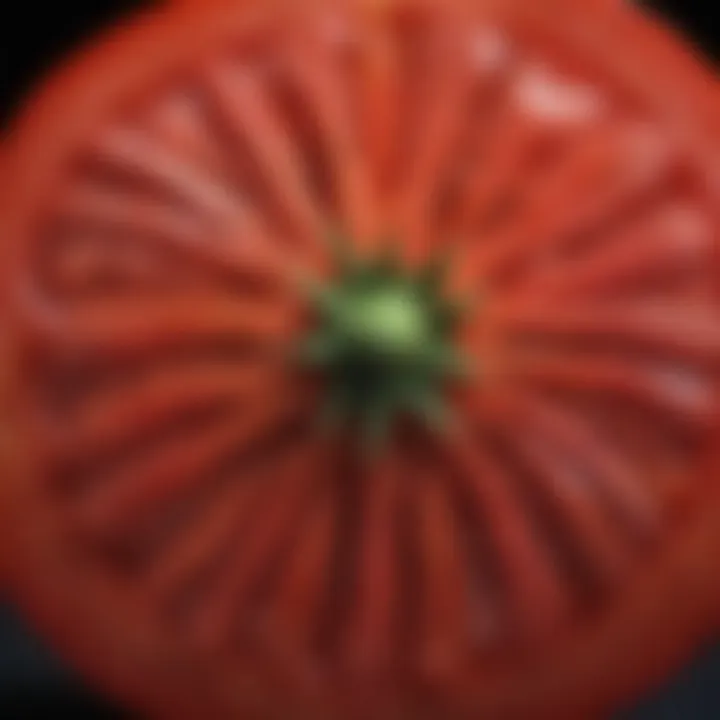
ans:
x=175 y=465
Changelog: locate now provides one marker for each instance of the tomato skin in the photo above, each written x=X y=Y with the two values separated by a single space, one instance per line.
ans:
x=669 y=608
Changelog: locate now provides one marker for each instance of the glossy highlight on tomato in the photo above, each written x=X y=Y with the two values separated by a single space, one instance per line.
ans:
x=360 y=359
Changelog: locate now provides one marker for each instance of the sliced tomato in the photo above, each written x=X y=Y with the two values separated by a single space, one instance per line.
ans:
x=535 y=534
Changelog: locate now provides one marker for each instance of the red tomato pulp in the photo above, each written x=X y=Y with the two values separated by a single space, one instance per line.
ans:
x=534 y=534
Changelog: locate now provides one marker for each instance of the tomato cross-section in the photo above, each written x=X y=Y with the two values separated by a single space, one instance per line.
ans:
x=243 y=239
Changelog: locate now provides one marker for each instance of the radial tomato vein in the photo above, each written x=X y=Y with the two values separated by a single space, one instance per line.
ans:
x=246 y=110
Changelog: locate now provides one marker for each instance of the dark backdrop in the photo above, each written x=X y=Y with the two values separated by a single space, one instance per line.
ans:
x=33 y=684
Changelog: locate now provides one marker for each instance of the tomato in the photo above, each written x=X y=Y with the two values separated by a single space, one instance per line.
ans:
x=360 y=359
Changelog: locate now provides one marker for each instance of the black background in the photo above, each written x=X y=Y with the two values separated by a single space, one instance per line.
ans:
x=33 y=684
